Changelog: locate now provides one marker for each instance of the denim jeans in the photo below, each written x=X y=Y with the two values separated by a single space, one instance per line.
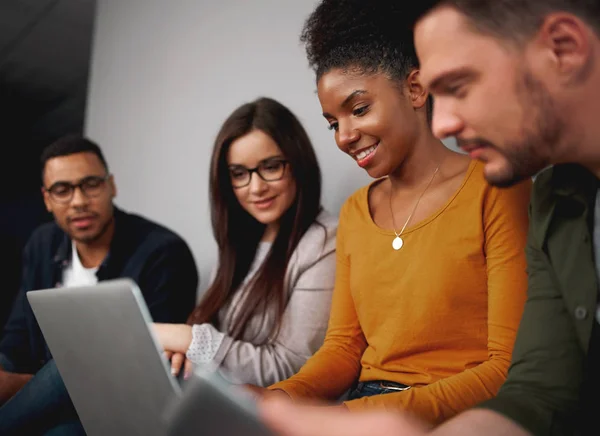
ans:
x=41 y=407
x=376 y=387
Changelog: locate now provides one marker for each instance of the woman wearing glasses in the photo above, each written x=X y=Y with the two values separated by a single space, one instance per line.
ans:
x=267 y=308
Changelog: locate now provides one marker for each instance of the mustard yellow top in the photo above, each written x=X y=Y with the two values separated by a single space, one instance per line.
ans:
x=440 y=315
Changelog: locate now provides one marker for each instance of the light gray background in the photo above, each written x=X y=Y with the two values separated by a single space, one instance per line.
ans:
x=164 y=76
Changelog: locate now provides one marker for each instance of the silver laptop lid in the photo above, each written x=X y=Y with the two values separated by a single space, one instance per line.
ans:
x=108 y=357
x=210 y=406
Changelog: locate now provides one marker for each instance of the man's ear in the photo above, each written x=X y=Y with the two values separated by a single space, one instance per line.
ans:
x=568 y=42
x=112 y=186
x=47 y=201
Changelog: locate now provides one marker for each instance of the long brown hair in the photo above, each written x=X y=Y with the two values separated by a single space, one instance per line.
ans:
x=238 y=234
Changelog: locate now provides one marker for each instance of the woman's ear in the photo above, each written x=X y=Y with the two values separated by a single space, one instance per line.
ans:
x=417 y=92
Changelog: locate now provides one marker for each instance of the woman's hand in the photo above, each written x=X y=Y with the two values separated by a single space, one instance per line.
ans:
x=177 y=361
x=174 y=337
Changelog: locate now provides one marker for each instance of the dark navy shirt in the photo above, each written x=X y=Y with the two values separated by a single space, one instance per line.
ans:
x=158 y=260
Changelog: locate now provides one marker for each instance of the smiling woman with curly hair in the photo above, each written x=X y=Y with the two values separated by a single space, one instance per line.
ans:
x=430 y=275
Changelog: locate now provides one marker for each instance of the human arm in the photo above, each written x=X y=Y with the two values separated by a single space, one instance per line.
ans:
x=169 y=282
x=15 y=352
x=288 y=419
x=10 y=382
x=309 y=285
x=541 y=392
x=504 y=225
x=301 y=333
x=14 y=347
x=333 y=369
x=178 y=363
x=15 y=356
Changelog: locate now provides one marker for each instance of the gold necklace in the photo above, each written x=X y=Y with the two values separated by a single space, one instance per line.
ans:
x=397 y=243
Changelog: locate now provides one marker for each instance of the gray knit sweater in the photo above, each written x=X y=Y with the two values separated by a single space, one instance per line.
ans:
x=309 y=284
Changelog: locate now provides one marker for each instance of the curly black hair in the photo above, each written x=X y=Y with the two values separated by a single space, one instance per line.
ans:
x=372 y=36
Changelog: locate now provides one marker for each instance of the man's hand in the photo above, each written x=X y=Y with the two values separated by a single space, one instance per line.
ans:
x=288 y=419
x=11 y=383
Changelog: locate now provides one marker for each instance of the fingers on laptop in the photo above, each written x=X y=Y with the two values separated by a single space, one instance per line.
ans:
x=177 y=360
x=187 y=369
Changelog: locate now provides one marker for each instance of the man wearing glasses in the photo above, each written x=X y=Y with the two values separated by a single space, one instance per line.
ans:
x=91 y=240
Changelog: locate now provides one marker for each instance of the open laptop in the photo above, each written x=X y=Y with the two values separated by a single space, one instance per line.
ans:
x=108 y=357
x=210 y=406
x=116 y=375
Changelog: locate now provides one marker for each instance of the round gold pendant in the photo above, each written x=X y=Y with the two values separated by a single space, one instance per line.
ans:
x=397 y=243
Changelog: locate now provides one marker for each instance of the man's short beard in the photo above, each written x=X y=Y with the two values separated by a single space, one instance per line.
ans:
x=540 y=134
x=98 y=235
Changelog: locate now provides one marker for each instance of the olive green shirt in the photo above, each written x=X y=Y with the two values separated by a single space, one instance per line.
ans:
x=549 y=370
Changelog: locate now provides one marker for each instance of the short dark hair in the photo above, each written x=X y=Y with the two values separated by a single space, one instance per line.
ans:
x=516 y=19
x=360 y=34
x=71 y=144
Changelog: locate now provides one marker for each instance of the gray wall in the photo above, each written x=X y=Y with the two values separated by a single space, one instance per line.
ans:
x=164 y=76
x=166 y=73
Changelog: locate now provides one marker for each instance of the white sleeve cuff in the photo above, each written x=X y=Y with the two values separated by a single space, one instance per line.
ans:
x=206 y=341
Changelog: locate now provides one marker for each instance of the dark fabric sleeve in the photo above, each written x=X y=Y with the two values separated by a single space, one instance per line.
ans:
x=541 y=392
x=169 y=282
x=15 y=347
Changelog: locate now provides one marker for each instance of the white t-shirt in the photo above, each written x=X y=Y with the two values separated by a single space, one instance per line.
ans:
x=75 y=274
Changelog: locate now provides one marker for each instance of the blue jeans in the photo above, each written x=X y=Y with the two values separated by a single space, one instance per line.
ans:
x=41 y=407
x=376 y=387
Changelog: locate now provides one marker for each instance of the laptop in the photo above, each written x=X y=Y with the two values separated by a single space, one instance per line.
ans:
x=119 y=380
x=210 y=406
x=108 y=357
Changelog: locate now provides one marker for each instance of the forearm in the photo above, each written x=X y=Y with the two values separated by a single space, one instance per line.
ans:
x=301 y=334
x=15 y=352
x=260 y=365
x=11 y=383
x=173 y=337
x=480 y=422
x=243 y=362
x=333 y=369
x=326 y=375
x=542 y=390
x=439 y=401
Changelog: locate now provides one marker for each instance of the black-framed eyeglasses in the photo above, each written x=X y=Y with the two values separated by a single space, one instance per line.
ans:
x=91 y=186
x=270 y=170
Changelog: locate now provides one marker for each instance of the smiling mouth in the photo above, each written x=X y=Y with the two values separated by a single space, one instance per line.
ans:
x=365 y=152
x=263 y=204
x=471 y=147
x=264 y=200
